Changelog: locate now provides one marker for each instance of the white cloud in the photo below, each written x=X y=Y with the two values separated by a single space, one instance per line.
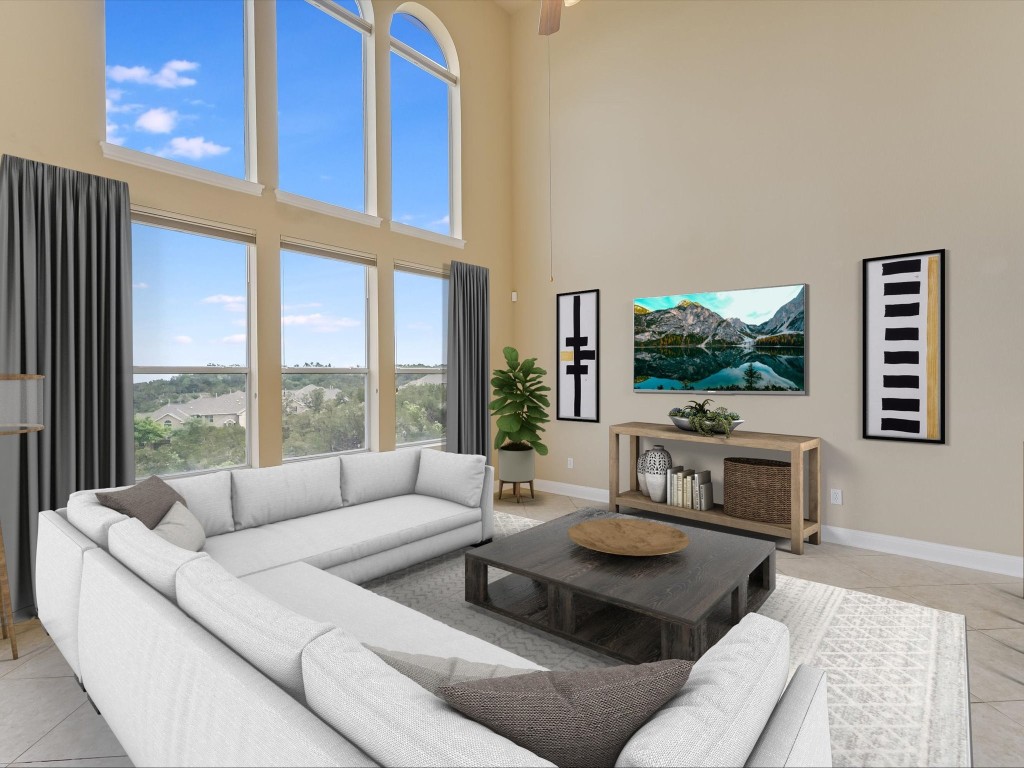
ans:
x=140 y=285
x=445 y=220
x=169 y=75
x=114 y=96
x=235 y=338
x=231 y=303
x=320 y=323
x=157 y=120
x=294 y=307
x=183 y=339
x=112 y=137
x=195 y=148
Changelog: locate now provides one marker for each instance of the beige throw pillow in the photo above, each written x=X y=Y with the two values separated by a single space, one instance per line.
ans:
x=181 y=528
x=581 y=718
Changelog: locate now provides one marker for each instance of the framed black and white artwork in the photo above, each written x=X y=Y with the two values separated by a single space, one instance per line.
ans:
x=577 y=355
x=904 y=347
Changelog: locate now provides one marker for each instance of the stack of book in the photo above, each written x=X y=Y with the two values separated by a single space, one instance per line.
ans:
x=689 y=489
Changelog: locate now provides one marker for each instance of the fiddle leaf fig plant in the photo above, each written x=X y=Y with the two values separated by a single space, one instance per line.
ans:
x=520 y=403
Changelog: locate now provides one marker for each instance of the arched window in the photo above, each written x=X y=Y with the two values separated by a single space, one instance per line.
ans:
x=325 y=101
x=425 y=126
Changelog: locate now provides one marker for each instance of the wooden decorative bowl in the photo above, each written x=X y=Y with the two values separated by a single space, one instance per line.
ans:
x=633 y=538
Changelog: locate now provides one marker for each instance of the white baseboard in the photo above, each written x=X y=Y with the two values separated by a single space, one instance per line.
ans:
x=576 y=491
x=979 y=560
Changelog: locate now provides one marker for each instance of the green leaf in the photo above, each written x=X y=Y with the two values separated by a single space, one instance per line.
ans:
x=510 y=423
x=511 y=356
x=539 y=447
x=528 y=365
x=499 y=439
x=498 y=403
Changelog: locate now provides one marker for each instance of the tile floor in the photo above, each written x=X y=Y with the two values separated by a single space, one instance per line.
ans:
x=45 y=719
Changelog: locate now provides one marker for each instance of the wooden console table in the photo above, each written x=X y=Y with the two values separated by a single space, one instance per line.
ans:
x=796 y=446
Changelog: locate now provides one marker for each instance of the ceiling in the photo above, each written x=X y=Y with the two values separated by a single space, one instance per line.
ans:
x=514 y=6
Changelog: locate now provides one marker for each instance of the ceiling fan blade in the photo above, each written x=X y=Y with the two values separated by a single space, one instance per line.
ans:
x=550 y=16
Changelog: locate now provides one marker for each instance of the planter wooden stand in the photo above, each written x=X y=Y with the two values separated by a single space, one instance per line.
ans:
x=796 y=446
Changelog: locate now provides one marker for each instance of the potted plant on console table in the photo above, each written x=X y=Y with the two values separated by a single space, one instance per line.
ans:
x=520 y=405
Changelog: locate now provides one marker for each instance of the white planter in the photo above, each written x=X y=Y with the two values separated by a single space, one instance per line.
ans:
x=516 y=466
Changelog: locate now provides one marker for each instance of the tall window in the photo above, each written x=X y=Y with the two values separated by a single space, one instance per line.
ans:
x=420 y=357
x=320 y=87
x=175 y=80
x=323 y=352
x=423 y=87
x=191 y=334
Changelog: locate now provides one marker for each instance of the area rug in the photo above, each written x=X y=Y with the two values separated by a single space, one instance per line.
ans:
x=897 y=672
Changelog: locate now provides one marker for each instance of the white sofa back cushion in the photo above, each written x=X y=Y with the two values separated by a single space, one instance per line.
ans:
x=721 y=710
x=372 y=476
x=264 y=633
x=92 y=518
x=391 y=718
x=208 y=497
x=272 y=494
x=451 y=476
x=148 y=556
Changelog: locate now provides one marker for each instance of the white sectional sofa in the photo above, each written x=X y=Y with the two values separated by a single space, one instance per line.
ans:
x=251 y=652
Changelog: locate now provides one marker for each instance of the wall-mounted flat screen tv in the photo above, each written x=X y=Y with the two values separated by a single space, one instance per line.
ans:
x=750 y=340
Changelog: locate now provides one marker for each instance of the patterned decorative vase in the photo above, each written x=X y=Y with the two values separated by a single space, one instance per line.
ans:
x=657 y=462
x=641 y=478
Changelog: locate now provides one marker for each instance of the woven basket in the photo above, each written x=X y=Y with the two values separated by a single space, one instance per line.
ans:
x=758 y=489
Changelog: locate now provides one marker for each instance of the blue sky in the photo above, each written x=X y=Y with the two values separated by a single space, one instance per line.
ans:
x=175 y=89
x=752 y=305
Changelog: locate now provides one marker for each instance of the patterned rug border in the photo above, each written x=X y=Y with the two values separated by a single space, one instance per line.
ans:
x=897 y=672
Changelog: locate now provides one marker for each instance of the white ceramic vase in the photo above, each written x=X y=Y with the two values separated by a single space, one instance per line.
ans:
x=657 y=462
x=641 y=478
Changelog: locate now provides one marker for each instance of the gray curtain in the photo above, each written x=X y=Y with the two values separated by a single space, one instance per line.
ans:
x=469 y=369
x=65 y=288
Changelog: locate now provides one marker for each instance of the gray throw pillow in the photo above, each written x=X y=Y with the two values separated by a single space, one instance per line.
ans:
x=581 y=718
x=147 y=501
x=181 y=528
x=435 y=672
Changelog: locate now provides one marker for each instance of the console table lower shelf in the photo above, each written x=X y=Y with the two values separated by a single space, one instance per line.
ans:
x=716 y=516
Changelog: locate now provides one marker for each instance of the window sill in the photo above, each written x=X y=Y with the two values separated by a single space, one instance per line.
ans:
x=309 y=204
x=424 y=234
x=436 y=444
x=162 y=164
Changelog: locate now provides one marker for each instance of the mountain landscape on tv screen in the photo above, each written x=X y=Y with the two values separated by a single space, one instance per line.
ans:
x=689 y=346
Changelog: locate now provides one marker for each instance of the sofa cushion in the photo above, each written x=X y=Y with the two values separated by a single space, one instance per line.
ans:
x=391 y=718
x=725 y=704
x=436 y=672
x=88 y=515
x=148 y=556
x=340 y=535
x=372 y=476
x=264 y=633
x=579 y=718
x=181 y=528
x=452 y=476
x=272 y=494
x=374 y=619
x=148 y=500
x=208 y=497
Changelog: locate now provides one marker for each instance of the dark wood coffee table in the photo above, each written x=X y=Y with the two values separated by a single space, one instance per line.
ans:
x=636 y=609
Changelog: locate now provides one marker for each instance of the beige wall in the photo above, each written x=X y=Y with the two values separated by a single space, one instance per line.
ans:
x=52 y=97
x=720 y=145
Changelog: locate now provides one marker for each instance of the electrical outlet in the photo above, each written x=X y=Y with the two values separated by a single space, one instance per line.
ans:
x=837 y=496
x=569 y=463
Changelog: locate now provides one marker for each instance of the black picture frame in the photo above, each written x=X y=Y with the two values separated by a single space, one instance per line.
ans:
x=592 y=359
x=903 y=347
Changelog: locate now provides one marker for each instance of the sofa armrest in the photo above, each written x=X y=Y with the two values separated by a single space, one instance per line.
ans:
x=487 y=503
x=797 y=732
x=58 y=580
